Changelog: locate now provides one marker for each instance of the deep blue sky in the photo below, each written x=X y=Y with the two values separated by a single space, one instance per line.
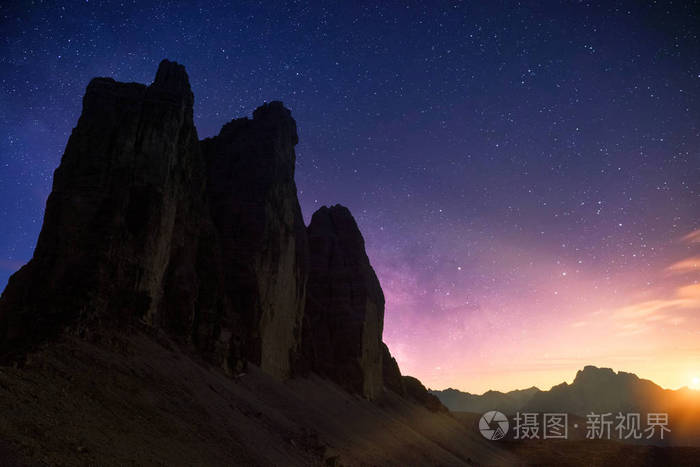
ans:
x=486 y=148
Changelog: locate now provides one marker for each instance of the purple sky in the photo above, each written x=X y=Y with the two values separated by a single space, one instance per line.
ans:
x=526 y=177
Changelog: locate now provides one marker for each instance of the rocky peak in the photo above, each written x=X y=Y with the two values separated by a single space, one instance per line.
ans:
x=344 y=313
x=123 y=221
x=171 y=76
x=275 y=116
x=254 y=206
x=593 y=375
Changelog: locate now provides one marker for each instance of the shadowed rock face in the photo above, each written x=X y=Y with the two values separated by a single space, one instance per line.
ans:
x=603 y=390
x=124 y=222
x=416 y=391
x=344 y=313
x=391 y=373
x=140 y=224
x=204 y=239
x=250 y=167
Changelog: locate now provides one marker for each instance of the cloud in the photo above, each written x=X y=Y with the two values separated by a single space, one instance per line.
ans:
x=691 y=264
x=650 y=307
x=676 y=320
x=632 y=329
x=692 y=237
x=636 y=318
x=691 y=292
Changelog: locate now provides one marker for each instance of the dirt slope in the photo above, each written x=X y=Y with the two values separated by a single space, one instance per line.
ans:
x=144 y=401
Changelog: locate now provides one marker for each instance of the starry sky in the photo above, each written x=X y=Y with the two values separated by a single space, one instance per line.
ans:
x=526 y=174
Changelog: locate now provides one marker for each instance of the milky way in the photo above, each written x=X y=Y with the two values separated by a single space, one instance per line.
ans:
x=527 y=178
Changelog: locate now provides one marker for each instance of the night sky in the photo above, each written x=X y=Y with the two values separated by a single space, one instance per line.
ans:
x=526 y=175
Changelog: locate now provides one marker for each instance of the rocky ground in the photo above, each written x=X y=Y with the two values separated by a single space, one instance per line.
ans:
x=143 y=400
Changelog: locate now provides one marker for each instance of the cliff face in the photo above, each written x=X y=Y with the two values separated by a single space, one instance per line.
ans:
x=202 y=239
x=344 y=314
x=253 y=197
x=124 y=220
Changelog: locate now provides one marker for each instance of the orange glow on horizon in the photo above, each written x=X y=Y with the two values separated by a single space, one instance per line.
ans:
x=643 y=323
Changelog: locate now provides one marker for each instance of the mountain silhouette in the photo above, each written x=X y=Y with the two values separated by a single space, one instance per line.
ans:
x=594 y=390
x=177 y=310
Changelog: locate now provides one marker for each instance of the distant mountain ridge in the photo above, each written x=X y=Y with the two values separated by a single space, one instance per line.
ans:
x=594 y=389
x=508 y=402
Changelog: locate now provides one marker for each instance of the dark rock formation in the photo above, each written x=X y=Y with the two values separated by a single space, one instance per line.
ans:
x=416 y=391
x=344 y=313
x=126 y=231
x=205 y=240
x=603 y=390
x=254 y=205
x=391 y=373
x=140 y=225
x=598 y=390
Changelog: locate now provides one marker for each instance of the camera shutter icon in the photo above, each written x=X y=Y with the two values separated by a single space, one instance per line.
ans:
x=493 y=425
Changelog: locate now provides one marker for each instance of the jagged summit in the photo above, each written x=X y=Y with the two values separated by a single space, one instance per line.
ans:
x=171 y=84
x=273 y=111
x=172 y=76
x=270 y=136
x=594 y=375
x=336 y=213
x=274 y=115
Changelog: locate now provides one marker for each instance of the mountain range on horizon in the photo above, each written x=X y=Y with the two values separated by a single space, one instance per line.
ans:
x=592 y=389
